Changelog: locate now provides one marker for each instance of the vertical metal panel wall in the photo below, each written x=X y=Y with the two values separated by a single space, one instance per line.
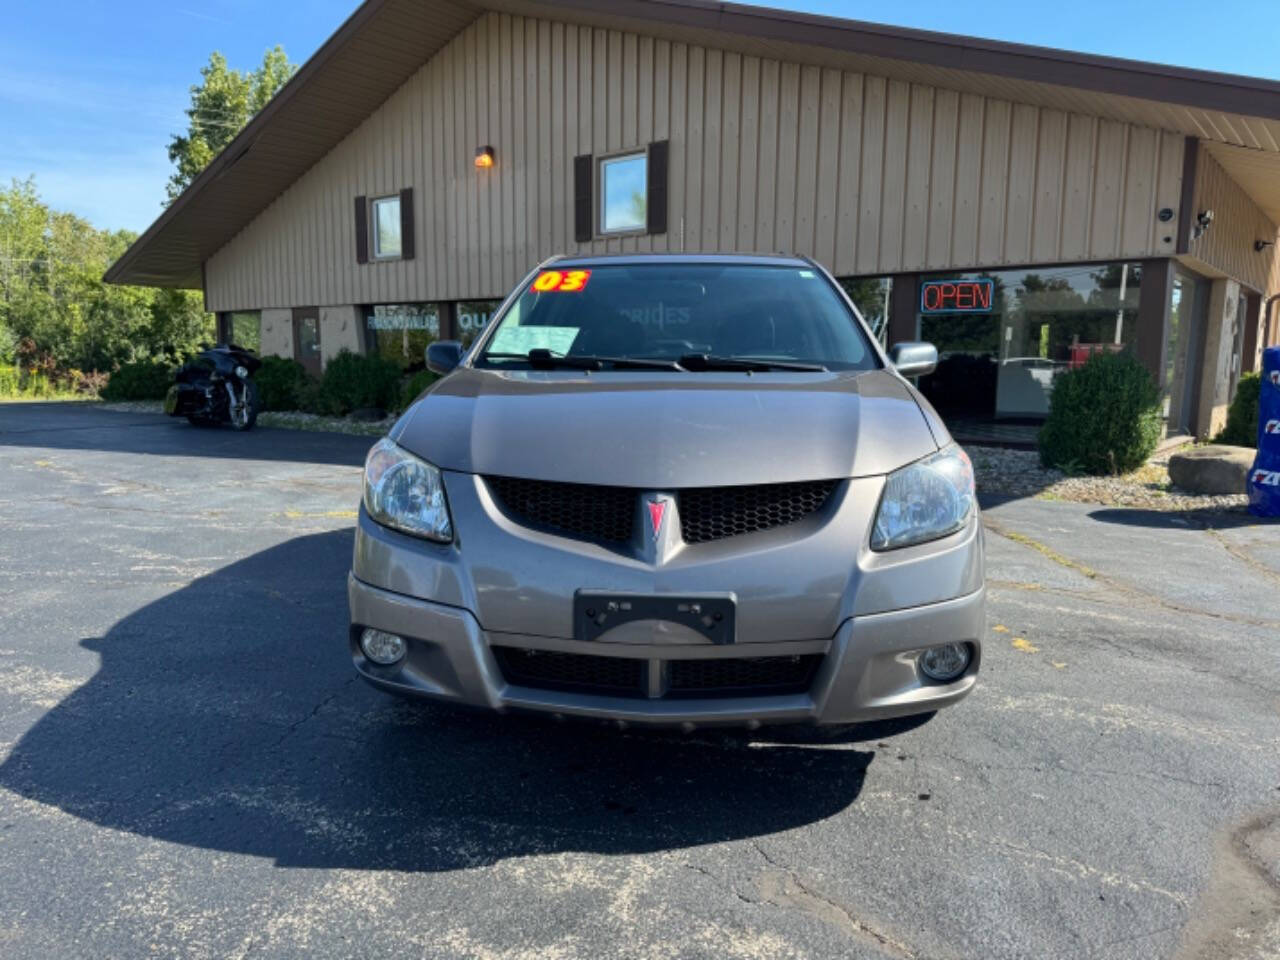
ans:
x=868 y=175
x=1227 y=245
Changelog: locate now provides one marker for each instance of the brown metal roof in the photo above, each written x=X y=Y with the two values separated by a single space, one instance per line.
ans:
x=380 y=46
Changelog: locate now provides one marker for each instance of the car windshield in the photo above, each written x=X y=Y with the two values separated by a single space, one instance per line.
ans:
x=699 y=316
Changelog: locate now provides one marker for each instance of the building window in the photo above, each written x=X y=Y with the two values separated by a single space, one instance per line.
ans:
x=400 y=332
x=623 y=198
x=1001 y=352
x=472 y=317
x=385 y=227
x=871 y=296
x=241 y=327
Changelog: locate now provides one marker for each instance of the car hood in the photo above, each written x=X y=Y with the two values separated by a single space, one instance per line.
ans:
x=657 y=430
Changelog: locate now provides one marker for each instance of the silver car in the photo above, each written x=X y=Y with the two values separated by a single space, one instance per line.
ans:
x=672 y=489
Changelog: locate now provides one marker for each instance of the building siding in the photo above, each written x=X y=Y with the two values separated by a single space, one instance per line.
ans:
x=868 y=175
x=1227 y=245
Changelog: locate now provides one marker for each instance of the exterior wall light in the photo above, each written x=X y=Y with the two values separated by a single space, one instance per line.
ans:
x=484 y=158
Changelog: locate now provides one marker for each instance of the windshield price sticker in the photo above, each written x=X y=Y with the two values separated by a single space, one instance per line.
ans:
x=561 y=281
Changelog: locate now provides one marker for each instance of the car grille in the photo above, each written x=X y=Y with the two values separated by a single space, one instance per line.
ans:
x=607 y=514
x=585 y=511
x=715 y=513
x=684 y=679
x=733 y=677
x=549 y=670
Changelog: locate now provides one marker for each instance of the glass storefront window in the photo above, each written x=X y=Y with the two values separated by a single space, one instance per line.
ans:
x=472 y=317
x=243 y=328
x=1000 y=357
x=871 y=296
x=401 y=331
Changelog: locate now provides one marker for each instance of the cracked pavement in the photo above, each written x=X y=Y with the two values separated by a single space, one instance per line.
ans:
x=188 y=767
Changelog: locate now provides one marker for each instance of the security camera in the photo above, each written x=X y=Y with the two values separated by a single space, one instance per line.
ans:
x=1203 y=219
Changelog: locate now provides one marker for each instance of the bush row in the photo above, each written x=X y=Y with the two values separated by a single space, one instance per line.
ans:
x=18 y=382
x=351 y=382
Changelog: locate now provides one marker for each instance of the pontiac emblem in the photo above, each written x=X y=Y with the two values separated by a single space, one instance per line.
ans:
x=657 y=508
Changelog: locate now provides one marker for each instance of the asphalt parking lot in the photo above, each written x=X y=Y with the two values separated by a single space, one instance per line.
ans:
x=189 y=768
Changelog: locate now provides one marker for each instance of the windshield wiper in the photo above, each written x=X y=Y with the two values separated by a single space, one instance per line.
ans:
x=543 y=359
x=706 y=361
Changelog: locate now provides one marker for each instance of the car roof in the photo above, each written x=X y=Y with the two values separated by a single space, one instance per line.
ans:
x=624 y=259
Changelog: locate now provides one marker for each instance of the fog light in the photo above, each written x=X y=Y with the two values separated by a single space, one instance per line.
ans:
x=381 y=647
x=946 y=662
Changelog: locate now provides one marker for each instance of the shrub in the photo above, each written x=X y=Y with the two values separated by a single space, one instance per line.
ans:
x=353 y=380
x=414 y=386
x=281 y=383
x=87 y=384
x=1104 y=417
x=1242 y=417
x=143 y=380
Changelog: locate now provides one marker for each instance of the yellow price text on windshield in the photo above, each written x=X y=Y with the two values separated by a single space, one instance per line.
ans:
x=561 y=281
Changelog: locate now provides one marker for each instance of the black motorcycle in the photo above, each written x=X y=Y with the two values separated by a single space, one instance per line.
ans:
x=216 y=388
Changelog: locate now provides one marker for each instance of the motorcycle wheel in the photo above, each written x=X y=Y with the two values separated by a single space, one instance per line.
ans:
x=245 y=415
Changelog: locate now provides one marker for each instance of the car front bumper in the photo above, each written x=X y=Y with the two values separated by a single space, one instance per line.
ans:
x=865 y=671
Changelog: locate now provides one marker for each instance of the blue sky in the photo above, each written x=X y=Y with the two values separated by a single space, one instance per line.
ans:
x=90 y=92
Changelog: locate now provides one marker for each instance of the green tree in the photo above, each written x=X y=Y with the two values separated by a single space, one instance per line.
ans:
x=221 y=104
x=57 y=314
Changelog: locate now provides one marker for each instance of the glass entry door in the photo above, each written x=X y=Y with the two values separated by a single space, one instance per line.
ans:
x=1188 y=306
x=306 y=338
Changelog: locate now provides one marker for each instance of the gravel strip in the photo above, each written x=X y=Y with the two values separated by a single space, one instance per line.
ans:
x=1018 y=473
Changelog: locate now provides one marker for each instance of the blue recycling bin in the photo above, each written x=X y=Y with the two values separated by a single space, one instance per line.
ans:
x=1264 y=478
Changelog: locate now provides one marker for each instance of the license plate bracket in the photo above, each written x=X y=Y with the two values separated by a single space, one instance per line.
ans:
x=596 y=612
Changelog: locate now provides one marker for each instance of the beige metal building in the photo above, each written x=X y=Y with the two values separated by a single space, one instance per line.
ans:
x=433 y=151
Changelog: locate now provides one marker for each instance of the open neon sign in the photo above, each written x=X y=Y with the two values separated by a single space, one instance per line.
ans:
x=956 y=296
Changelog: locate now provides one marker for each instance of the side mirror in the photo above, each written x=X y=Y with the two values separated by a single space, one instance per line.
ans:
x=914 y=359
x=443 y=356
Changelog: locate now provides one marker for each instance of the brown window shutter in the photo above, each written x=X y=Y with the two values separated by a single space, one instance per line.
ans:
x=362 y=229
x=406 y=223
x=656 y=203
x=582 y=212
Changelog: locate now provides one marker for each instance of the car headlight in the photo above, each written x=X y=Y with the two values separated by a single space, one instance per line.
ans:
x=925 y=500
x=405 y=493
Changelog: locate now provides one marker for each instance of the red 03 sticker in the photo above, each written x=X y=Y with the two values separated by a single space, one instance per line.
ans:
x=561 y=281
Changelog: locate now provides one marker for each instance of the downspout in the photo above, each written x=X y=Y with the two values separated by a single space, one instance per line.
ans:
x=1266 y=313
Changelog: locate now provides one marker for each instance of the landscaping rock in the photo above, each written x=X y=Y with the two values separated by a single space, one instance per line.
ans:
x=1215 y=469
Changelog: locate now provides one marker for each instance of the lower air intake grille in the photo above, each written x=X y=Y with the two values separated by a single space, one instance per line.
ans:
x=547 y=670
x=586 y=511
x=685 y=679
x=714 y=513
x=749 y=676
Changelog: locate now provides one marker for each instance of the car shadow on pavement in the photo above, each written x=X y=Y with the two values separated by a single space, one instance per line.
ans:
x=78 y=426
x=1177 y=519
x=226 y=716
